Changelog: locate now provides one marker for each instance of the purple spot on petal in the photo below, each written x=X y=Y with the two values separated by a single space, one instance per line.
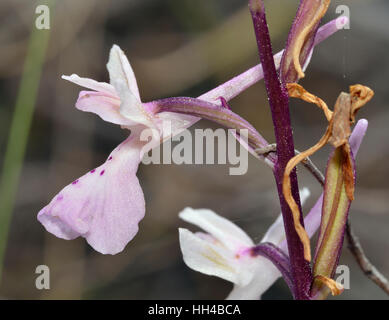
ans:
x=102 y=172
x=75 y=181
x=110 y=158
x=60 y=197
x=92 y=171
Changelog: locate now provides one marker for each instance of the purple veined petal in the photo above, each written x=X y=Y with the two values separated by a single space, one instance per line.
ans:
x=301 y=38
x=104 y=206
x=104 y=105
x=92 y=84
x=313 y=218
x=119 y=67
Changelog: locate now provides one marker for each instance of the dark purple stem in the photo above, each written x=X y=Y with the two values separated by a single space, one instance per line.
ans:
x=279 y=105
x=278 y=258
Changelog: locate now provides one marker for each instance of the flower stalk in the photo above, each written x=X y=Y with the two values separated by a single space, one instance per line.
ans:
x=279 y=105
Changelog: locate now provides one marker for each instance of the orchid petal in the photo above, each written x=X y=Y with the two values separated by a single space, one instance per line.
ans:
x=228 y=233
x=105 y=106
x=208 y=257
x=119 y=67
x=104 y=206
x=130 y=107
x=265 y=276
x=357 y=135
x=92 y=84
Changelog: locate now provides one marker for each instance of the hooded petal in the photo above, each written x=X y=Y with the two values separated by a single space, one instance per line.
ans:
x=228 y=233
x=104 y=206
x=205 y=254
x=121 y=77
x=119 y=68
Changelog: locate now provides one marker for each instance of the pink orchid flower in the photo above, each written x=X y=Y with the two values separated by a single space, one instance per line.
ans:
x=105 y=205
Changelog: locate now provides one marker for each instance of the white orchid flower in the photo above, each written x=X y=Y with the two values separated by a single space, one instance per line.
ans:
x=225 y=251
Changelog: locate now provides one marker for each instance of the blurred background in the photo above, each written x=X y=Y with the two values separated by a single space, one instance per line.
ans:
x=177 y=48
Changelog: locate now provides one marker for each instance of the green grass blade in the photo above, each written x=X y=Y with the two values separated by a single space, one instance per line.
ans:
x=20 y=128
